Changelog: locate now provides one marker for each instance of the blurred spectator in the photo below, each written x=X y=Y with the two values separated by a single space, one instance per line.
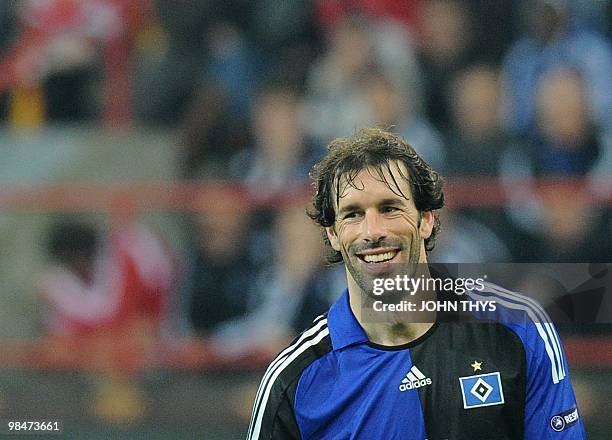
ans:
x=280 y=32
x=282 y=154
x=335 y=102
x=67 y=45
x=569 y=144
x=554 y=40
x=467 y=240
x=572 y=230
x=244 y=40
x=474 y=146
x=217 y=120
x=446 y=45
x=222 y=264
x=210 y=135
x=106 y=299
x=70 y=60
x=95 y=284
x=389 y=107
x=166 y=89
x=566 y=143
x=286 y=35
x=234 y=66
x=280 y=286
x=476 y=139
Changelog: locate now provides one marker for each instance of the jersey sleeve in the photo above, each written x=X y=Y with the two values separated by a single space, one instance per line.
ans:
x=551 y=411
x=273 y=416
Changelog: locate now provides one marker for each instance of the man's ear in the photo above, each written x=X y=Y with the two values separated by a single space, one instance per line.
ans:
x=427 y=224
x=333 y=238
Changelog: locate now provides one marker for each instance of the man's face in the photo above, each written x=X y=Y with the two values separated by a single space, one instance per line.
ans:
x=379 y=232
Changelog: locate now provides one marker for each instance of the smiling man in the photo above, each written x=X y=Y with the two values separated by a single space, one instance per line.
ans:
x=351 y=377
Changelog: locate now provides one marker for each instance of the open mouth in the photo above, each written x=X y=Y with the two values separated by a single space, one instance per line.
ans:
x=378 y=255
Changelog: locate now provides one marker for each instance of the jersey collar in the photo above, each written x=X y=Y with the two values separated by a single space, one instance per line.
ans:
x=344 y=329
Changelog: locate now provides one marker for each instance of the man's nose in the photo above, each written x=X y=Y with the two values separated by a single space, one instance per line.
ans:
x=373 y=227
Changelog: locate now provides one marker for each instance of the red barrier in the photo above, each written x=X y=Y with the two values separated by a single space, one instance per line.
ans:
x=50 y=353
x=180 y=196
x=191 y=354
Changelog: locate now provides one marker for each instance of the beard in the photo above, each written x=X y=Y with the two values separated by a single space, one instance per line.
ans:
x=410 y=253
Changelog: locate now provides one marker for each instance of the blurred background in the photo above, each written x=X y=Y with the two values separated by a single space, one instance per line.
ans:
x=154 y=247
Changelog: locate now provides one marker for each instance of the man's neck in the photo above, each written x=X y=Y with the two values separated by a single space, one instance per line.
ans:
x=397 y=328
x=396 y=331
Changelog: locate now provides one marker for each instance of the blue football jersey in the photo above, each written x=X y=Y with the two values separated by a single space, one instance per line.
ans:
x=484 y=379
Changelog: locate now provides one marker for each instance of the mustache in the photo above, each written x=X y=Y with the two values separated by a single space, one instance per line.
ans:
x=383 y=243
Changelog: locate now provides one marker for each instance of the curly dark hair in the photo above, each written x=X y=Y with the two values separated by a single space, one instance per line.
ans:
x=375 y=148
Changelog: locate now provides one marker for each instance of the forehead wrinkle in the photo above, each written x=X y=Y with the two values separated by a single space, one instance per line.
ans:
x=349 y=179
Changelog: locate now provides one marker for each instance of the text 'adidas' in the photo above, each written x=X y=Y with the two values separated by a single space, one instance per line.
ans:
x=414 y=379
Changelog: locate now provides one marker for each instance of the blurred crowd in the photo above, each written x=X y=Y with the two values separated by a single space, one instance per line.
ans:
x=504 y=91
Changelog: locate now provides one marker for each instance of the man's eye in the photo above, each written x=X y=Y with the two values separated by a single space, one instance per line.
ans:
x=388 y=209
x=351 y=215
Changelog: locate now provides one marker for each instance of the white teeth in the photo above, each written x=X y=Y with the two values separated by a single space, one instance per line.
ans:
x=377 y=258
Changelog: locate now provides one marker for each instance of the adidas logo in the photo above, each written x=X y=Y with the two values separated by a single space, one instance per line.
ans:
x=414 y=379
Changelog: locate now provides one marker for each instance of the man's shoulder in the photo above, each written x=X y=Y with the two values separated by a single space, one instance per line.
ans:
x=310 y=345
x=276 y=393
x=518 y=312
x=507 y=307
x=526 y=317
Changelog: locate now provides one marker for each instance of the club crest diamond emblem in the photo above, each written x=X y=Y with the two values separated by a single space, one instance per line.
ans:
x=481 y=390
